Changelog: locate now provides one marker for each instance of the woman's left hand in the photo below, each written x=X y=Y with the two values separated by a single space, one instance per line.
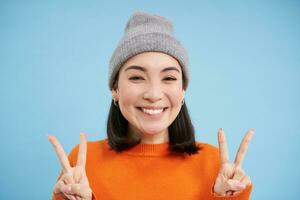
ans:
x=232 y=179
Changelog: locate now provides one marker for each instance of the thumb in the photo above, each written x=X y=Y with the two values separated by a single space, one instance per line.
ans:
x=234 y=185
x=81 y=190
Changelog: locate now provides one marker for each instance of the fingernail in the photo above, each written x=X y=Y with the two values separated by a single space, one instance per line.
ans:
x=65 y=189
x=241 y=186
x=220 y=129
x=252 y=129
x=74 y=198
x=77 y=198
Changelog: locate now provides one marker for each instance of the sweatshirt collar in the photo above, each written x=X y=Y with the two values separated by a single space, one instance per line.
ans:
x=149 y=149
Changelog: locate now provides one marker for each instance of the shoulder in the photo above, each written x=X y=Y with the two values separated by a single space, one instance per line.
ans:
x=208 y=154
x=92 y=147
x=208 y=151
x=206 y=147
x=98 y=144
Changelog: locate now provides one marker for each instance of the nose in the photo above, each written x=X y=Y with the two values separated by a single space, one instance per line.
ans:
x=153 y=93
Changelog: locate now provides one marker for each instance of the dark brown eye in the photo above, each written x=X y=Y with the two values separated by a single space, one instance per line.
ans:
x=136 y=78
x=170 y=79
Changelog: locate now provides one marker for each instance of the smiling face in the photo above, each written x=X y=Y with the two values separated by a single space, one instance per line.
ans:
x=149 y=92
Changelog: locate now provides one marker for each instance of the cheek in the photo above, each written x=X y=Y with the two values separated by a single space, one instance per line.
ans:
x=175 y=94
x=128 y=95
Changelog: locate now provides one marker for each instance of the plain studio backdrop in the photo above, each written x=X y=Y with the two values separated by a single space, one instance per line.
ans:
x=244 y=65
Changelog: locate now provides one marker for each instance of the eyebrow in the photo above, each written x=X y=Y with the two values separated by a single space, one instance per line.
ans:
x=144 y=69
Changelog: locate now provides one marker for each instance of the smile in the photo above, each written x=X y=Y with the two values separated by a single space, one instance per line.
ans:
x=156 y=111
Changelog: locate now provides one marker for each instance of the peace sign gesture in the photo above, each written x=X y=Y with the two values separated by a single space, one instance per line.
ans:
x=231 y=178
x=73 y=183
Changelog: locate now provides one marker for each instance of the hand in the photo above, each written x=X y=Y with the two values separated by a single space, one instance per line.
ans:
x=73 y=183
x=232 y=179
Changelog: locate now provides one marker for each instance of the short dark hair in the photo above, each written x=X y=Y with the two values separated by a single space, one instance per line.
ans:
x=181 y=132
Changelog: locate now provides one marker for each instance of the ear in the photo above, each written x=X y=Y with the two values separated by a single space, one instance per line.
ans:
x=183 y=94
x=115 y=94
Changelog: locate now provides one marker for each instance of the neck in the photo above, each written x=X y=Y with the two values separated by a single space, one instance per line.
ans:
x=157 y=138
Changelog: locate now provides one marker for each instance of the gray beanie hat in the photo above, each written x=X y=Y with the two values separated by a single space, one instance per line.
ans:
x=145 y=32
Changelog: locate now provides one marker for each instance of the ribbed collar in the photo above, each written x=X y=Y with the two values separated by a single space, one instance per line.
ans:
x=148 y=149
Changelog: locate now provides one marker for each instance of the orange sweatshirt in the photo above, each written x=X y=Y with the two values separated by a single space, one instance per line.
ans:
x=150 y=172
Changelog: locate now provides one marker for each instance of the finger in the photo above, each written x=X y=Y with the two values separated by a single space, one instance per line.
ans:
x=243 y=148
x=246 y=180
x=237 y=192
x=234 y=185
x=69 y=190
x=58 y=187
x=80 y=190
x=224 y=156
x=60 y=153
x=239 y=174
x=71 y=197
x=68 y=178
x=78 y=198
x=219 y=185
x=66 y=189
x=62 y=189
x=82 y=151
x=78 y=173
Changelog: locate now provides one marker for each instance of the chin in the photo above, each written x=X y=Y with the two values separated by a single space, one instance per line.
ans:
x=153 y=131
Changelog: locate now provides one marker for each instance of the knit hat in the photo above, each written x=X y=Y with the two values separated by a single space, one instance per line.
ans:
x=145 y=32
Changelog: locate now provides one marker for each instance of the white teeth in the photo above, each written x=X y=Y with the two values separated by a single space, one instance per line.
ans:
x=152 y=111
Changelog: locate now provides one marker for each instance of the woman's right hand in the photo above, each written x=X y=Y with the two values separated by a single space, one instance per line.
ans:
x=73 y=183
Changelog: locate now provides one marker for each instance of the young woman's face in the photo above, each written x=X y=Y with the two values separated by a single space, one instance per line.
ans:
x=150 y=93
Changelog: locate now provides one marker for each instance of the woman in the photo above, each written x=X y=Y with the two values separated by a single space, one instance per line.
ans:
x=150 y=151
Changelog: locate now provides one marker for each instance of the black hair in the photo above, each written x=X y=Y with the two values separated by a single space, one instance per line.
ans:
x=181 y=132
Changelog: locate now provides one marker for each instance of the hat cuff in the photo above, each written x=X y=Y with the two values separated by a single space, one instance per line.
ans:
x=156 y=42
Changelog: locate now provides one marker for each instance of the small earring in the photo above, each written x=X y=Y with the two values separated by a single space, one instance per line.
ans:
x=182 y=102
x=115 y=102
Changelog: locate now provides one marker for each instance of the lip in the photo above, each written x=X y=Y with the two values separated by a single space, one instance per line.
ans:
x=152 y=107
x=153 y=116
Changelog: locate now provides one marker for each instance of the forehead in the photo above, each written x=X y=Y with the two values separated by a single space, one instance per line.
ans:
x=152 y=61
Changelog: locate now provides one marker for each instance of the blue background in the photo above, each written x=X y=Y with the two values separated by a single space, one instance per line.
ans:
x=244 y=63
